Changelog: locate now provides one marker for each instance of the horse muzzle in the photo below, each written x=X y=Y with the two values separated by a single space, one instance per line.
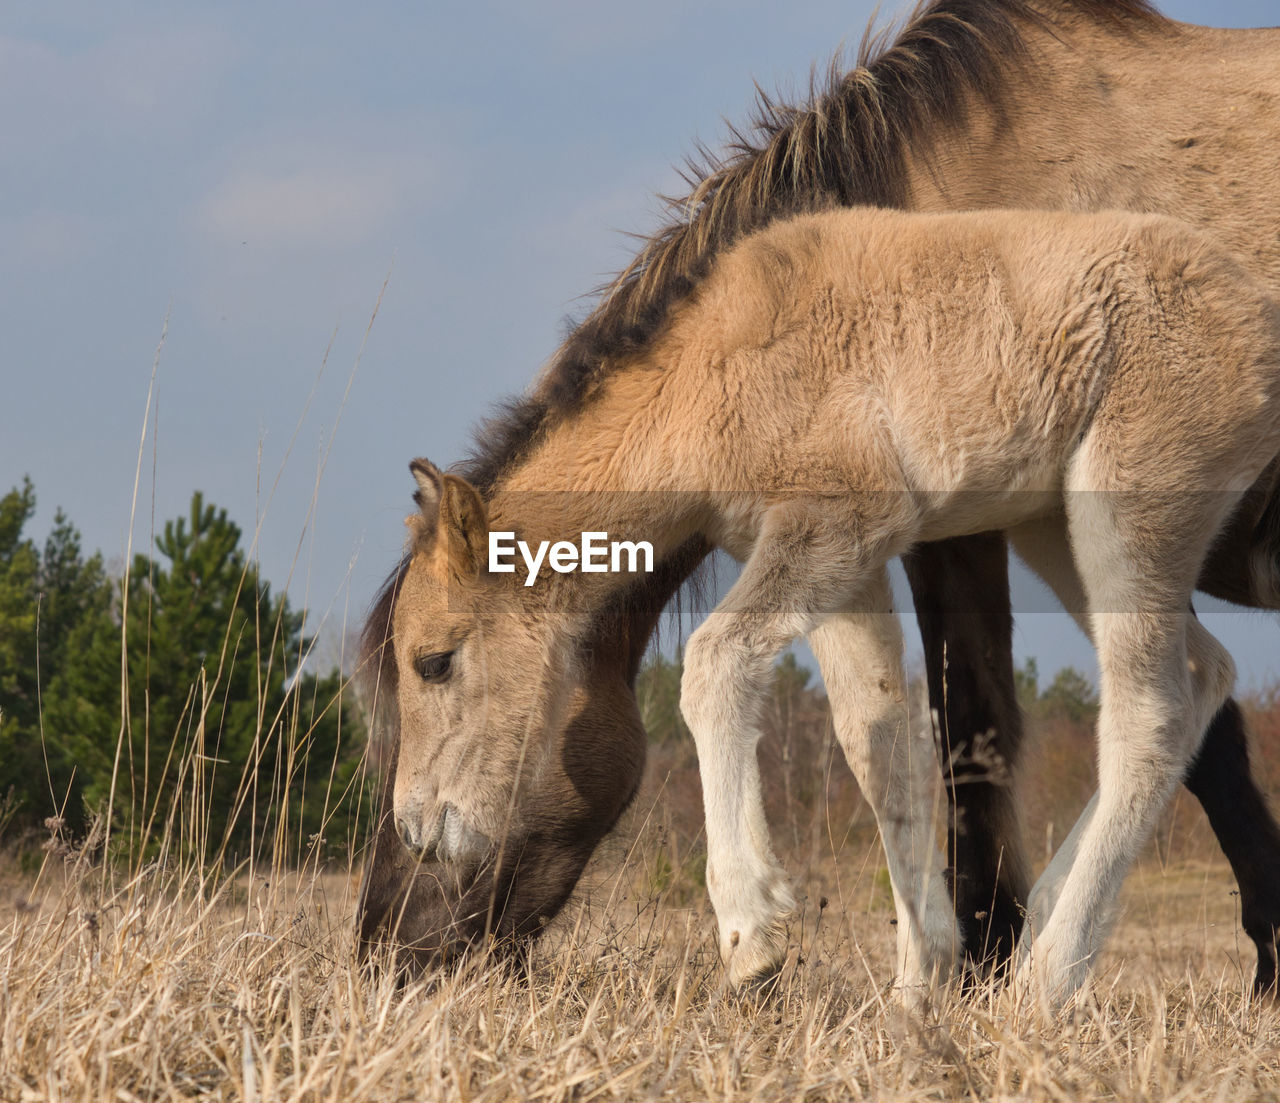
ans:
x=443 y=837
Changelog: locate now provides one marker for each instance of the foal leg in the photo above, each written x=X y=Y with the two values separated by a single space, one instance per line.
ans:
x=799 y=571
x=1044 y=546
x=1219 y=777
x=1158 y=692
x=860 y=655
x=1244 y=567
x=1163 y=676
x=961 y=592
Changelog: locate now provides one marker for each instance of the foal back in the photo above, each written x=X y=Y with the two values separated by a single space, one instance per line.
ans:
x=863 y=380
x=962 y=359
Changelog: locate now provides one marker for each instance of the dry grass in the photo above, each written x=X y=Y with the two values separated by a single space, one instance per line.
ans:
x=167 y=981
x=161 y=985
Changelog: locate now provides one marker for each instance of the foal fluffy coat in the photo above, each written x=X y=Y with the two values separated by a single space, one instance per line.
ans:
x=1044 y=104
x=839 y=388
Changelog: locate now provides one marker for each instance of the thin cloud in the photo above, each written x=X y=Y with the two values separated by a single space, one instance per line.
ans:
x=321 y=197
x=45 y=240
x=125 y=83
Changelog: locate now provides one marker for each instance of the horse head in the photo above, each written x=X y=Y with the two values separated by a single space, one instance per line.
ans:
x=450 y=870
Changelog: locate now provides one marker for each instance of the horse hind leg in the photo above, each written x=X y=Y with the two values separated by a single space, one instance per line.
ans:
x=1163 y=678
x=1244 y=568
x=1149 y=728
x=961 y=593
x=894 y=761
x=1219 y=777
x=1221 y=781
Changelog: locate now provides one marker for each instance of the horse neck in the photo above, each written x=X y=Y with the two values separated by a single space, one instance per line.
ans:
x=600 y=469
x=621 y=632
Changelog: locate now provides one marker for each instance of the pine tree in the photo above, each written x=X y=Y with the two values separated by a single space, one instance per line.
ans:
x=222 y=740
x=44 y=599
x=19 y=576
x=19 y=573
x=1071 y=695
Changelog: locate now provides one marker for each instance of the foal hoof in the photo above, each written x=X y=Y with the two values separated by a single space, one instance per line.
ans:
x=754 y=961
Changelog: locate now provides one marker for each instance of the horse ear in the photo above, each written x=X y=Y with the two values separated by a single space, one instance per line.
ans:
x=430 y=481
x=454 y=520
x=466 y=521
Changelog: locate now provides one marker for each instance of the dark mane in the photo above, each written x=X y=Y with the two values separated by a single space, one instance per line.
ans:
x=847 y=145
x=377 y=671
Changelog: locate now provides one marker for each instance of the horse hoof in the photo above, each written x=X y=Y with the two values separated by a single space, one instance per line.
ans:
x=1264 y=979
x=755 y=961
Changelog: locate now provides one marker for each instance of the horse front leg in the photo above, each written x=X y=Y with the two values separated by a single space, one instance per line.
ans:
x=801 y=568
x=894 y=761
x=726 y=665
x=961 y=592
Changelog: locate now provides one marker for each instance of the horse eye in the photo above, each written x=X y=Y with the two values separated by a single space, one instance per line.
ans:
x=434 y=668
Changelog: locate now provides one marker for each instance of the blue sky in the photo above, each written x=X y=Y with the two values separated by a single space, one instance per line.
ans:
x=254 y=172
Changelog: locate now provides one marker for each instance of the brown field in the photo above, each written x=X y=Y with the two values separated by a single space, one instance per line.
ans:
x=159 y=986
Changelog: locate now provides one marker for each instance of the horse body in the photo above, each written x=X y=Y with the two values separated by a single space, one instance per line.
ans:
x=1075 y=104
x=1146 y=116
x=842 y=386
x=1160 y=117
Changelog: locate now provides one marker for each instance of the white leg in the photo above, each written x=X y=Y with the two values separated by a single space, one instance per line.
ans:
x=860 y=654
x=799 y=571
x=724 y=671
x=1163 y=677
x=1044 y=547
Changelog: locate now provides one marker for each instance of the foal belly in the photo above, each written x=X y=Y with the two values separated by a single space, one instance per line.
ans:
x=965 y=512
x=992 y=477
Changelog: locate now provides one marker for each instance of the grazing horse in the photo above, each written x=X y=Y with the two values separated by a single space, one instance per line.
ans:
x=840 y=388
x=978 y=103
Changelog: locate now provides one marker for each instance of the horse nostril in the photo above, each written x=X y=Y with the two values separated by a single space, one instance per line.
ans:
x=423 y=841
x=405 y=832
